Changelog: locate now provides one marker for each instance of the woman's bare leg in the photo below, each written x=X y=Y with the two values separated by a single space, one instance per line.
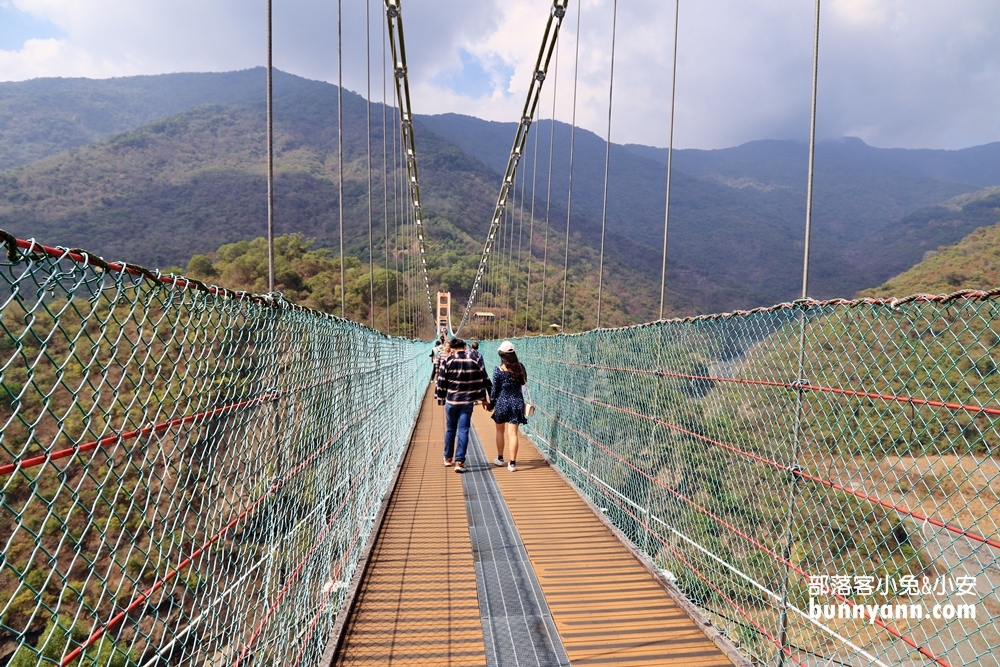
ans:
x=500 y=441
x=512 y=440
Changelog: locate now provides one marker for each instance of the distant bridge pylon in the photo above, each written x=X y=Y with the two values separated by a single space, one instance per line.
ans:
x=444 y=314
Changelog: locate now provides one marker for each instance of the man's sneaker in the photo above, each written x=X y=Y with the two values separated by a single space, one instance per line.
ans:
x=498 y=461
x=511 y=466
x=460 y=466
x=448 y=463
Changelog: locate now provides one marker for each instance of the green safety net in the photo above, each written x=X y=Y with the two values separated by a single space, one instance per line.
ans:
x=187 y=475
x=820 y=478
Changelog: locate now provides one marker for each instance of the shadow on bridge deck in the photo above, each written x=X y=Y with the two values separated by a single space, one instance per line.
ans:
x=418 y=602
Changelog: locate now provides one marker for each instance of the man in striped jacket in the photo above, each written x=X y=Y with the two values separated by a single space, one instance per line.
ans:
x=462 y=382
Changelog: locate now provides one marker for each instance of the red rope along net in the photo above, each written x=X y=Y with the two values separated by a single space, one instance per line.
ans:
x=820 y=478
x=187 y=475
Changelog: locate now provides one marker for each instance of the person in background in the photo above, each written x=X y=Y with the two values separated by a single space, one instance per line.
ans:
x=436 y=356
x=507 y=402
x=477 y=355
x=461 y=383
x=444 y=354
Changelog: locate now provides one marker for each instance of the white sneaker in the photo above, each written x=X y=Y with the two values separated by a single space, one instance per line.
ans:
x=498 y=462
x=511 y=467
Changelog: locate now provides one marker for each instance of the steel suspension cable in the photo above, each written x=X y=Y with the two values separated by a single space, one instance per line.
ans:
x=270 y=157
x=410 y=223
x=371 y=203
x=400 y=247
x=340 y=154
x=491 y=276
x=511 y=224
x=799 y=397
x=404 y=216
x=548 y=191
x=531 y=227
x=520 y=235
x=408 y=264
x=572 y=144
x=670 y=159
x=494 y=296
x=511 y=277
x=504 y=227
x=505 y=230
x=385 y=179
x=508 y=255
x=395 y=218
x=812 y=157
x=494 y=299
x=607 y=161
x=398 y=46
x=484 y=323
x=404 y=230
x=549 y=39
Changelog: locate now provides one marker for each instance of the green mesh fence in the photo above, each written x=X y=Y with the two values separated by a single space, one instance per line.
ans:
x=821 y=479
x=187 y=475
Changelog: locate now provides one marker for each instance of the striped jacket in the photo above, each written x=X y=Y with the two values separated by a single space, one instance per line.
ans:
x=461 y=380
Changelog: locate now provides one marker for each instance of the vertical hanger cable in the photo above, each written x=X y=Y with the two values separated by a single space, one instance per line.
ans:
x=607 y=162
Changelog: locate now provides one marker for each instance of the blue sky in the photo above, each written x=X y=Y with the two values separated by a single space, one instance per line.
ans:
x=896 y=73
x=472 y=78
x=17 y=27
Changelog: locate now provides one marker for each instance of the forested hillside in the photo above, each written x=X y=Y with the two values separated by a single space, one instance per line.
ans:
x=972 y=263
x=188 y=183
x=737 y=214
x=43 y=117
x=158 y=169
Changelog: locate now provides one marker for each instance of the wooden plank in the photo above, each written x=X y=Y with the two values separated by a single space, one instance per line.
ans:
x=607 y=606
x=418 y=604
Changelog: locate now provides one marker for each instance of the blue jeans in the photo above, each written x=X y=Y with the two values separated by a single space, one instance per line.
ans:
x=457 y=419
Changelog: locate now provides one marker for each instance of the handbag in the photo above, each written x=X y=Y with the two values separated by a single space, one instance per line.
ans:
x=529 y=408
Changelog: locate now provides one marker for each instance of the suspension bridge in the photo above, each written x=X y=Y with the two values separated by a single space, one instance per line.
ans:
x=192 y=475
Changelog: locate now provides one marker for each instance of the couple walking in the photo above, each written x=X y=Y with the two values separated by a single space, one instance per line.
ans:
x=462 y=381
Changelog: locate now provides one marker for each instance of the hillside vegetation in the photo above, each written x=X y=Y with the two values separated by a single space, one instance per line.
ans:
x=43 y=117
x=157 y=169
x=186 y=184
x=737 y=214
x=972 y=263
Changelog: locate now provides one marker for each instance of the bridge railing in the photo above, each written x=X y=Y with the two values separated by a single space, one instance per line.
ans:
x=821 y=479
x=187 y=475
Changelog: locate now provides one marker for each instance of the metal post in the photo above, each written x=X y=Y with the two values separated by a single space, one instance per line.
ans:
x=797 y=434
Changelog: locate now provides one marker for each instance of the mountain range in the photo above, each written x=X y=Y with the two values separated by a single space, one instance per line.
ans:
x=156 y=169
x=737 y=215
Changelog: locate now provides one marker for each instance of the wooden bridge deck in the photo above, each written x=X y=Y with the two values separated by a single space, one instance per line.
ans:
x=417 y=603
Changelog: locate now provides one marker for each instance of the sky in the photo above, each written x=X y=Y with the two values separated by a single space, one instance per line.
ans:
x=896 y=73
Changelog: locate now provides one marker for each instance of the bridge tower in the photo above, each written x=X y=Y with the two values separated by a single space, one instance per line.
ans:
x=444 y=313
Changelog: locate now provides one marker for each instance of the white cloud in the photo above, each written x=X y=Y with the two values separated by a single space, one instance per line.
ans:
x=43 y=57
x=895 y=72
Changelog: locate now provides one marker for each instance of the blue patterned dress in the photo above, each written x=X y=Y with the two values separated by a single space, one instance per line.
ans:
x=506 y=401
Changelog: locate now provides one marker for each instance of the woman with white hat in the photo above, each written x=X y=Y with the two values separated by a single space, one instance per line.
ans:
x=507 y=402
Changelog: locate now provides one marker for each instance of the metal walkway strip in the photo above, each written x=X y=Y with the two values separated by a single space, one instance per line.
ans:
x=517 y=626
x=608 y=608
x=427 y=596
